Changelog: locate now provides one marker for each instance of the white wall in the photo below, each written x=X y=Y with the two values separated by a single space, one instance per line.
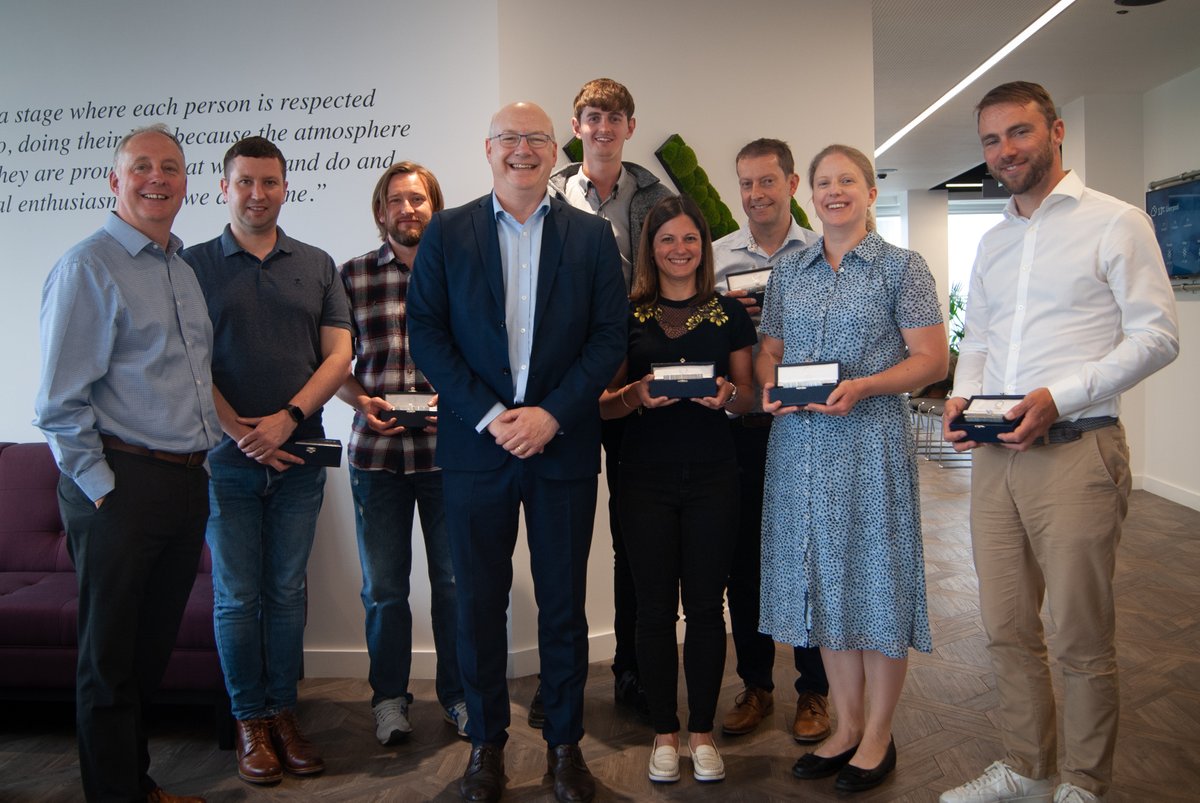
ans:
x=1103 y=145
x=136 y=51
x=1171 y=145
x=925 y=215
x=445 y=68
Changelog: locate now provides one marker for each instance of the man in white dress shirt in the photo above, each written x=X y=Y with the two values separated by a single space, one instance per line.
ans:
x=1069 y=306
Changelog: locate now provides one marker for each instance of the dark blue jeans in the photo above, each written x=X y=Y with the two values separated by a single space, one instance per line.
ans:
x=260 y=533
x=383 y=513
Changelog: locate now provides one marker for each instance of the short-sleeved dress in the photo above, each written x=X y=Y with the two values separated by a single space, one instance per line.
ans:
x=842 y=561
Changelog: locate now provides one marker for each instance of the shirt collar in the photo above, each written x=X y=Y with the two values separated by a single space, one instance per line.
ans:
x=498 y=211
x=1069 y=187
x=795 y=234
x=587 y=187
x=133 y=240
x=866 y=251
x=230 y=246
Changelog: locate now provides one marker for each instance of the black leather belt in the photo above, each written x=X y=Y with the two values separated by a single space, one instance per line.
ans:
x=191 y=459
x=1067 y=431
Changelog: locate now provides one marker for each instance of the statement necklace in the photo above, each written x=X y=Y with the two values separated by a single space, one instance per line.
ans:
x=677 y=321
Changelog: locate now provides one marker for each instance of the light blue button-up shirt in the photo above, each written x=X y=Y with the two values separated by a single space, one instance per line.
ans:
x=126 y=351
x=520 y=253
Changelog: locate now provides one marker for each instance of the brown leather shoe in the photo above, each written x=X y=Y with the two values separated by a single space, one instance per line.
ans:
x=749 y=709
x=484 y=778
x=256 y=759
x=298 y=754
x=812 y=718
x=573 y=782
x=161 y=795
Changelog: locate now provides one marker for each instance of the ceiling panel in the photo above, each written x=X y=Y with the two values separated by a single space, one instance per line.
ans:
x=924 y=47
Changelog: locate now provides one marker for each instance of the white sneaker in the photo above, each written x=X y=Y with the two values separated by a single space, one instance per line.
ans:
x=664 y=763
x=391 y=720
x=707 y=764
x=997 y=783
x=1070 y=793
x=456 y=715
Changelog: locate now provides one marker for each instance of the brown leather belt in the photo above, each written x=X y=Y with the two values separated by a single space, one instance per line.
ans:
x=191 y=460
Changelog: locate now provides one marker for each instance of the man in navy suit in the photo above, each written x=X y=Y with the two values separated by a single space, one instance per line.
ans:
x=517 y=315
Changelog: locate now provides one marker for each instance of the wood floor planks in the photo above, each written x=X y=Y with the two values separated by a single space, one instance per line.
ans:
x=945 y=726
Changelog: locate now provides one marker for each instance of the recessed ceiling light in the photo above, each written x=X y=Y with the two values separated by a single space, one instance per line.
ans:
x=1016 y=42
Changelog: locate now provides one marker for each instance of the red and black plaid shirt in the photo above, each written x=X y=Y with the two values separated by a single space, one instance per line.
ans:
x=377 y=284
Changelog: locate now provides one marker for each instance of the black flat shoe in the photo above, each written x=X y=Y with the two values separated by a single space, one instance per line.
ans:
x=810 y=766
x=856 y=779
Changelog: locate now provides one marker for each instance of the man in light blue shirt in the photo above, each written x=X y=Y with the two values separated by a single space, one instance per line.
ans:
x=126 y=405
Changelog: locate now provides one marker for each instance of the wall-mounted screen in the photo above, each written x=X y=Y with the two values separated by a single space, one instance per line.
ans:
x=1175 y=212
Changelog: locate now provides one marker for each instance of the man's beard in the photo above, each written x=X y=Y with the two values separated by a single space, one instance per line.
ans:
x=1035 y=173
x=408 y=236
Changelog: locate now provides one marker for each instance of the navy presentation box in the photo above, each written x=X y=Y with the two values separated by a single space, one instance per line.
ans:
x=684 y=380
x=983 y=418
x=316 y=451
x=805 y=383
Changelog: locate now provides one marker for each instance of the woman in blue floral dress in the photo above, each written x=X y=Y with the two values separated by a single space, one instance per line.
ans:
x=841 y=553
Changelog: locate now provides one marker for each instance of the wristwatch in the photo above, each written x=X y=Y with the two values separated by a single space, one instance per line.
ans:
x=295 y=412
x=732 y=396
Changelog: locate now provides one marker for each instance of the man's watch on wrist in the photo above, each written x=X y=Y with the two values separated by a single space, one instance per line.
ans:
x=732 y=396
x=295 y=412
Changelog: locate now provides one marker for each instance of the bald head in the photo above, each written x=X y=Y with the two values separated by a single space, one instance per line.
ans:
x=521 y=113
x=520 y=171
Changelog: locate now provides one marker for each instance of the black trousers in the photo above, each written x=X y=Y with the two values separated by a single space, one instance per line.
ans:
x=756 y=651
x=624 y=594
x=136 y=560
x=678 y=521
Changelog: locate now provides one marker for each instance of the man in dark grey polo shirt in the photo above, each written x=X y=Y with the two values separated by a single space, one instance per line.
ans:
x=281 y=328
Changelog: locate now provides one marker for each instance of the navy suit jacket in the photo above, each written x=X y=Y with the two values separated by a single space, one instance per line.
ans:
x=457 y=333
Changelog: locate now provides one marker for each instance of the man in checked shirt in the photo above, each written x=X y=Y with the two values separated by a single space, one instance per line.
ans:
x=391 y=466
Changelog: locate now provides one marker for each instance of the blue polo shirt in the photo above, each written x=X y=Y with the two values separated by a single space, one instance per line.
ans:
x=267 y=317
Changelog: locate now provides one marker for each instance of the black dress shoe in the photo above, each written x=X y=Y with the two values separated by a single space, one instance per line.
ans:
x=484 y=778
x=810 y=766
x=856 y=779
x=573 y=782
x=537 y=711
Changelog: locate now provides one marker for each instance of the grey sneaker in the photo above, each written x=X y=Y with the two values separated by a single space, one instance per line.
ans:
x=456 y=715
x=998 y=783
x=391 y=720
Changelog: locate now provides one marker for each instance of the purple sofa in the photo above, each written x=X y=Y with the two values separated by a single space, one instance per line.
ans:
x=39 y=600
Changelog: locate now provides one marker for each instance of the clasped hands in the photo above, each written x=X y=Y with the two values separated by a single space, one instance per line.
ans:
x=523 y=431
x=263 y=436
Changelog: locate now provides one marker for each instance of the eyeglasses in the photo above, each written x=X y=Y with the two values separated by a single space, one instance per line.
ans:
x=511 y=139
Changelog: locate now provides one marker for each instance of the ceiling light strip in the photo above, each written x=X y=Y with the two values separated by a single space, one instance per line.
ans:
x=1016 y=42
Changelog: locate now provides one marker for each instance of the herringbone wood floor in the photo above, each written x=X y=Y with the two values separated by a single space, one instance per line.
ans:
x=945 y=727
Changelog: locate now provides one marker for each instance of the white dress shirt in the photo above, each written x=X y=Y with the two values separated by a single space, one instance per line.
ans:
x=1074 y=298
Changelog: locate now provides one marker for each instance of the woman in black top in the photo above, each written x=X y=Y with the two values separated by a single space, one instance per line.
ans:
x=678 y=481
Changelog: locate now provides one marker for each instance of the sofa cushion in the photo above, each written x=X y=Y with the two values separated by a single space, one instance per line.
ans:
x=31 y=533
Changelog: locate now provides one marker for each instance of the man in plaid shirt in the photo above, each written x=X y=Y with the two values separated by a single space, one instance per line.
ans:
x=391 y=466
